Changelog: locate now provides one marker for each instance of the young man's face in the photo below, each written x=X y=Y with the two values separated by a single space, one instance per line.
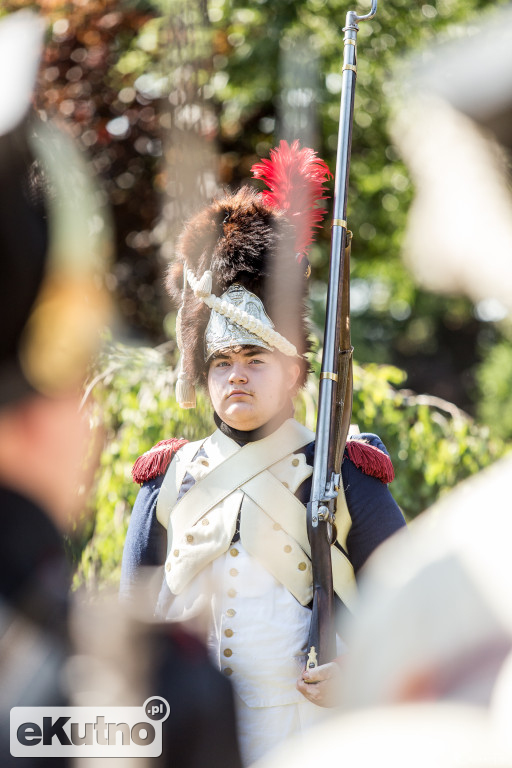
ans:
x=249 y=385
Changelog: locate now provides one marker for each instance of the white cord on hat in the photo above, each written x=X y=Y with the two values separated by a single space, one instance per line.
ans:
x=202 y=289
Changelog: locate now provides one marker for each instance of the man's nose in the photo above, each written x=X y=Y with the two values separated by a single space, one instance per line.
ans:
x=238 y=372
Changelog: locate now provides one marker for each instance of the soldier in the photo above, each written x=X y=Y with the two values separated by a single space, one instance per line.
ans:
x=233 y=502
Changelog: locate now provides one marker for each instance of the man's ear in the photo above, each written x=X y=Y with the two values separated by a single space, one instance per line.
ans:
x=293 y=371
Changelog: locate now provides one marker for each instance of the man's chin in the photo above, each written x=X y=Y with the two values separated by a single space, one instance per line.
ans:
x=240 y=416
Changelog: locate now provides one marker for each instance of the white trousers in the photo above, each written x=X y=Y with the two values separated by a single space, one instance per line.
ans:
x=260 y=729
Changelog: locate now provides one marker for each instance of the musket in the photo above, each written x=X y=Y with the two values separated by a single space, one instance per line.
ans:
x=335 y=393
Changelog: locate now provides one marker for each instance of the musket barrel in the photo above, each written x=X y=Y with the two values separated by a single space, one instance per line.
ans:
x=335 y=398
x=345 y=127
x=328 y=389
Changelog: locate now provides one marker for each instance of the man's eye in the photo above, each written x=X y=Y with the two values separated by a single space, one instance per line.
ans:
x=257 y=361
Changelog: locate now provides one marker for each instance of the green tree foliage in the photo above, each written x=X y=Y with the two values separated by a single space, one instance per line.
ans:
x=392 y=319
x=433 y=444
x=133 y=80
x=125 y=75
x=132 y=402
x=494 y=380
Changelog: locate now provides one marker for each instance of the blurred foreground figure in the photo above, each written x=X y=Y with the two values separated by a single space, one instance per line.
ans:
x=440 y=604
x=123 y=658
x=453 y=126
x=51 y=310
x=444 y=614
x=53 y=248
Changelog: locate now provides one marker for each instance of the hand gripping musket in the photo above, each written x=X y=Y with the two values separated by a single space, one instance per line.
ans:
x=335 y=396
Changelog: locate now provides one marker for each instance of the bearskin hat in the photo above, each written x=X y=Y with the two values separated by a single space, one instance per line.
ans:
x=251 y=239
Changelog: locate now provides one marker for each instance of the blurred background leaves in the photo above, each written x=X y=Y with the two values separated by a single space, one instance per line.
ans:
x=136 y=81
x=171 y=99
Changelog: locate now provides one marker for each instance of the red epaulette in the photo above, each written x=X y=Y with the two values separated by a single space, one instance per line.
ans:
x=155 y=461
x=370 y=460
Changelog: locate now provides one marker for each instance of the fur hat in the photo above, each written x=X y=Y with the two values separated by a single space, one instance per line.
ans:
x=250 y=239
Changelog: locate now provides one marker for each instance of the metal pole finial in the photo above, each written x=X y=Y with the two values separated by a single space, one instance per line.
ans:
x=369 y=15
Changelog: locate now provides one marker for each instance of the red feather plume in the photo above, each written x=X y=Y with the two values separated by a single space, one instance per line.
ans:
x=295 y=179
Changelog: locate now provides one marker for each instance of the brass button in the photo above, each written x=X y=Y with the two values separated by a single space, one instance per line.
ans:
x=230 y=612
x=285 y=484
x=229 y=633
x=205 y=521
x=277 y=527
x=228 y=652
x=287 y=548
x=233 y=572
x=205 y=462
x=295 y=462
x=231 y=592
x=176 y=552
x=228 y=671
x=167 y=566
x=233 y=552
x=302 y=566
x=190 y=538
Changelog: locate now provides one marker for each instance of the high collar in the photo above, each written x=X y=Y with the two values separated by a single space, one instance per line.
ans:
x=242 y=436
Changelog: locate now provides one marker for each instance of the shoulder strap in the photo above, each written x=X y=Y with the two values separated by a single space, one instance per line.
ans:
x=269 y=494
x=237 y=469
x=173 y=479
